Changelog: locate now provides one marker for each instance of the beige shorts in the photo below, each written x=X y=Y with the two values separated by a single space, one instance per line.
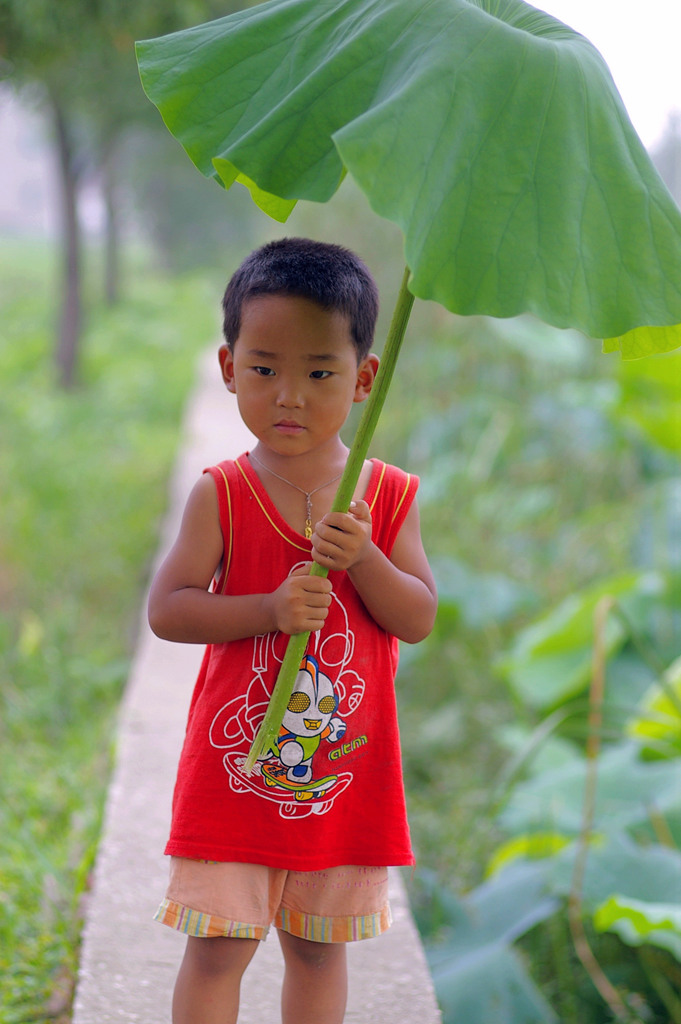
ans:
x=210 y=898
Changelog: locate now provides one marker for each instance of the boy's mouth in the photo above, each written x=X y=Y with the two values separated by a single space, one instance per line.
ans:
x=288 y=427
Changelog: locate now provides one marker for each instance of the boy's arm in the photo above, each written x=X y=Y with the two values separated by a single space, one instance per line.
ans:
x=398 y=592
x=182 y=608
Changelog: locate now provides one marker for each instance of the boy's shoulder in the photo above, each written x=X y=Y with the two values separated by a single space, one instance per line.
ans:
x=225 y=466
x=386 y=474
x=391 y=492
x=227 y=470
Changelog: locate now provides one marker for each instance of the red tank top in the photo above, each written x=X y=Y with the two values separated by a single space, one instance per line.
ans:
x=330 y=790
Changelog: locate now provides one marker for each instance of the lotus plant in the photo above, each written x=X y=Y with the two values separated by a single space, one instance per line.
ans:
x=490 y=132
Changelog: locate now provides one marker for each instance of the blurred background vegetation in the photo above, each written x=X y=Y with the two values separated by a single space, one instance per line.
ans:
x=549 y=479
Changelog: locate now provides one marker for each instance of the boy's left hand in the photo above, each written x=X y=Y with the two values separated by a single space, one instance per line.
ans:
x=341 y=540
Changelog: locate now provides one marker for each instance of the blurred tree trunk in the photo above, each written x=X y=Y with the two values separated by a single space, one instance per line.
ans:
x=69 y=322
x=112 y=246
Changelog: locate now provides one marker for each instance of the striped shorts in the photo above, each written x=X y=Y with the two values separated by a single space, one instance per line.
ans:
x=210 y=898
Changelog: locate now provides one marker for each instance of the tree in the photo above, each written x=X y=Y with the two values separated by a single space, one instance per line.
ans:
x=80 y=54
x=36 y=40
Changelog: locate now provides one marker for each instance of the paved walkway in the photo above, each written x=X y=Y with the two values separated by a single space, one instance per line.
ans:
x=129 y=963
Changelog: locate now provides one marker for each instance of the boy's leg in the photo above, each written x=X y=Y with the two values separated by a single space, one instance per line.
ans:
x=315 y=985
x=335 y=905
x=208 y=983
x=225 y=909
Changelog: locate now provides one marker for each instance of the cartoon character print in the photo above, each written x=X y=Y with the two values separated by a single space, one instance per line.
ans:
x=308 y=720
x=317 y=712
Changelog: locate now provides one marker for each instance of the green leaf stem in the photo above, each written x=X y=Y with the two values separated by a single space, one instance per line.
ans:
x=276 y=709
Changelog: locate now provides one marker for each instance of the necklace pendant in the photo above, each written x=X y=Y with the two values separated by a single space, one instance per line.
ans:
x=307 y=494
x=308 y=514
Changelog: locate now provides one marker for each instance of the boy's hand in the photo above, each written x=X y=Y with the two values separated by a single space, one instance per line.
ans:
x=301 y=603
x=341 y=540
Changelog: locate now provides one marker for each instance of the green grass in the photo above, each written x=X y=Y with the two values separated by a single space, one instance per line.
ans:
x=85 y=477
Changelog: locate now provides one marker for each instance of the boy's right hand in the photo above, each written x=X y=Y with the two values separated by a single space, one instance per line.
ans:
x=301 y=603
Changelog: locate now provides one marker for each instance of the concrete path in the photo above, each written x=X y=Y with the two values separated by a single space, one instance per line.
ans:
x=128 y=962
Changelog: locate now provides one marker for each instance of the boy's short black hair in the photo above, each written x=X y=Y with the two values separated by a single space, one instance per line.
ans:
x=328 y=274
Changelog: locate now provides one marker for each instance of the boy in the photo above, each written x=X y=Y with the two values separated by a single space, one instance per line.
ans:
x=304 y=841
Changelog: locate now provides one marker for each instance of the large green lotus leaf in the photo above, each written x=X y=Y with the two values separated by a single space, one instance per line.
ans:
x=490 y=132
x=478 y=976
x=616 y=863
x=490 y=983
x=647 y=872
x=550 y=661
x=626 y=790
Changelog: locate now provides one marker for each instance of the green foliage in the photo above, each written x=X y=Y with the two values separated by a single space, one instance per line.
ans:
x=538 y=495
x=477 y=974
x=637 y=922
x=188 y=222
x=627 y=787
x=631 y=882
x=550 y=660
x=630 y=887
x=85 y=485
x=650 y=399
x=657 y=722
x=557 y=211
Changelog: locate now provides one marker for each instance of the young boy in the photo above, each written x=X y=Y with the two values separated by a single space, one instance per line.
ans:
x=304 y=841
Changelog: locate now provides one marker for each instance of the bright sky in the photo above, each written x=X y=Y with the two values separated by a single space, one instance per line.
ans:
x=640 y=43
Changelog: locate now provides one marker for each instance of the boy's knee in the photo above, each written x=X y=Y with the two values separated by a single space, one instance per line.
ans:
x=313 y=955
x=219 y=956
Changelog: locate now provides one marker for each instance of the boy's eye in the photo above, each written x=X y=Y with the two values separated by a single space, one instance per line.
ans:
x=264 y=371
x=320 y=374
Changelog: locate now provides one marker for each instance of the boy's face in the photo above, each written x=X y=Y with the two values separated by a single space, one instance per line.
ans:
x=295 y=373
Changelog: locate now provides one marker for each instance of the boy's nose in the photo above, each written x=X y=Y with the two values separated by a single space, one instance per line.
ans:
x=289 y=396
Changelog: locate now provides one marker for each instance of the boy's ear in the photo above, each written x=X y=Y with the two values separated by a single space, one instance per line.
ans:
x=227 y=366
x=366 y=375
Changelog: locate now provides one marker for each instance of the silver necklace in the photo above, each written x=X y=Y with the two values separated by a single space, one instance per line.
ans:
x=308 y=494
